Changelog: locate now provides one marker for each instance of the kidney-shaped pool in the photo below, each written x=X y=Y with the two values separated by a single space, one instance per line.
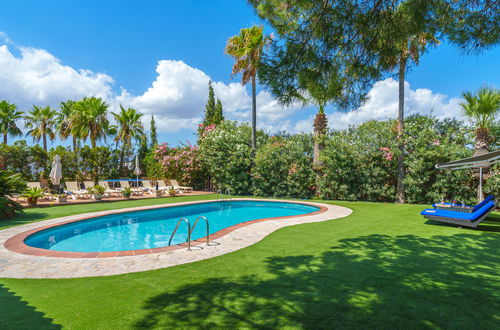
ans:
x=150 y=229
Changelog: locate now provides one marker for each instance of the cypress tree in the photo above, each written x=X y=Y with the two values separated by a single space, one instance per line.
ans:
x=152 y=133
x=210 y=106
x=218 y=113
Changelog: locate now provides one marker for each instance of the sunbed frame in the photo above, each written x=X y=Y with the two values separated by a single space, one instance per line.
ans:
x=462 y=222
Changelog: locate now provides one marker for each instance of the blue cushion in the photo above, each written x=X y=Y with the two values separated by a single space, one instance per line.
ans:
x=460 y=215
x=486 y=200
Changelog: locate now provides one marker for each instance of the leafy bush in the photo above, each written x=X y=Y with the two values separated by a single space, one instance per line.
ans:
x=181 y=163
x=227 y=155
x=283 y=167
x=11 y=184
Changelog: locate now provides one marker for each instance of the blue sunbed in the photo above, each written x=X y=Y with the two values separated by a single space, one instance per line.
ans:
x=462 y=218
x=474 y=208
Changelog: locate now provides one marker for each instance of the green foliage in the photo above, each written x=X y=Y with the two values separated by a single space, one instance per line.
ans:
x=153 y=135
x=96 y=190
x=34 y=193
x=90 y=119
x=227 y=154
x=41 y=123
x=213 y=111
x=283 y=167
x=98 y=163
x=181 y=163
x=482 y=106
x=8 y=117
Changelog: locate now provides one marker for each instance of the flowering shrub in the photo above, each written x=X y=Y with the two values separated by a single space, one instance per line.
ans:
x=227 y=156
x=283 y=167
x=181 y=163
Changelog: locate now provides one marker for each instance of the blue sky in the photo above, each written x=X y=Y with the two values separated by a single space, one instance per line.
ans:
x=125 y=40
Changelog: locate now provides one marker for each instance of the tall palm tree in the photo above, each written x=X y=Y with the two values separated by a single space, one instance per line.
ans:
x=482 y=107
x=246 y=49
x=405 y=52
x=90 y=119
x=41 y=123
x=129 y=127
x=8 y=117
x=64 y=117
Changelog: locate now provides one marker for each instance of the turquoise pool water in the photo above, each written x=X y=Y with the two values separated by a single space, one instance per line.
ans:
x=152 y=228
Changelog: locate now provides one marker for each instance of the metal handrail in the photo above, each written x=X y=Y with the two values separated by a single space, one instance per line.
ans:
x=208 y=227
x=228 y=192
x=177 y=227
x=219 y=193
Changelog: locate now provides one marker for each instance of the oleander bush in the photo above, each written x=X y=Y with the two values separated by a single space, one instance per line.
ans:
x=181 y=163
x=227 y=155
x=282 y=167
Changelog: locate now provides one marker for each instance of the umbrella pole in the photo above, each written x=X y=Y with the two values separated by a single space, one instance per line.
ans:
x=480 y=185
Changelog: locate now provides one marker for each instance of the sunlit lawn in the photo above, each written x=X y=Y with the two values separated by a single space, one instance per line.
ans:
x=381 y=267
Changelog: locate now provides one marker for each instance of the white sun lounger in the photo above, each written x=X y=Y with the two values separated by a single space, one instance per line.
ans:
x=73 y=188
x=110 y=191
x=176 y=186
x=137 y=191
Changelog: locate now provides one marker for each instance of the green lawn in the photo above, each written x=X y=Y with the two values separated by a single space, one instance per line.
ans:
x=381 y=267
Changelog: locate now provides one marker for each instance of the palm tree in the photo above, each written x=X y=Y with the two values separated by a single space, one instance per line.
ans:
x=482 y=108
x=90 y=119
x=64 y=117
x=8 y=117
x=246 y=49
x=406 y=52
x=41 y=123
x=129 y=126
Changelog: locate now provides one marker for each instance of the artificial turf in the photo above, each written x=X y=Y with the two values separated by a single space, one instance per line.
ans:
x=383 y=266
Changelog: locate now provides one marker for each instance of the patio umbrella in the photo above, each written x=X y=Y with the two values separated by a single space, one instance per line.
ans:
x=137 y=170
x=56 y=171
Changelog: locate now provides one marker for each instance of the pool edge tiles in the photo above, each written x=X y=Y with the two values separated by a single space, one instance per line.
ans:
x=17 y=242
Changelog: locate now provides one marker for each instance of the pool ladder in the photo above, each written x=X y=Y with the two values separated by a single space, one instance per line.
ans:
x=190 y=230
x=220 y=195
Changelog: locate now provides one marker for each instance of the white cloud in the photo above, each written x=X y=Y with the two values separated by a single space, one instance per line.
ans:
x=37 y=77
x=382 y=104
x=178 y=95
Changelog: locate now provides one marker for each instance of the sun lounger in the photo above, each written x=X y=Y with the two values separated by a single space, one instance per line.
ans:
x=468 y=208
x=38 y=185
x=110 y=191
x=466 y=219
x=146 y=186
x=163 y=186
x=73 y=188
x=176 y=186
x=137 y=191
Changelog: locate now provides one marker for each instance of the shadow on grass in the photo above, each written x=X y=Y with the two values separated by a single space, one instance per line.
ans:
x=490 y=224
x=23 y=218
x=17 y=314
x=375 y=281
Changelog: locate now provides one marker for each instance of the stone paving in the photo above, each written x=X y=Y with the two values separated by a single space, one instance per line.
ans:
x=17 y=265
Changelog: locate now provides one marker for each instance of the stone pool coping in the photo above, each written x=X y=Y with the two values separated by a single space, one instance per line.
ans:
x=21 y=261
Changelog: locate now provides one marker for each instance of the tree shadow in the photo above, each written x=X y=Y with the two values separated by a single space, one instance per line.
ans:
x=17 y=314
x=490 y=224
x=23 y=218
x=374 y=281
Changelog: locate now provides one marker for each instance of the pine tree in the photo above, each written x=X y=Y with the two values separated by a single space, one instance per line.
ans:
x=218 y=113
x=153 y=136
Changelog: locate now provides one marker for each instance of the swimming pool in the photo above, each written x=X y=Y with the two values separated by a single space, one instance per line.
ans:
x=150 y=229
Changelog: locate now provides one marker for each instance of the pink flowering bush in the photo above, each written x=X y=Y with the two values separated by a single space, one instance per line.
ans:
x=181 y=163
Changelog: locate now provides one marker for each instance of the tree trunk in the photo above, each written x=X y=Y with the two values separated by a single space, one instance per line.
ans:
x=122 y=154
x=400 y=192
x=75 y=151
x=320 y=127
x=254 y=114
x=5 y=138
